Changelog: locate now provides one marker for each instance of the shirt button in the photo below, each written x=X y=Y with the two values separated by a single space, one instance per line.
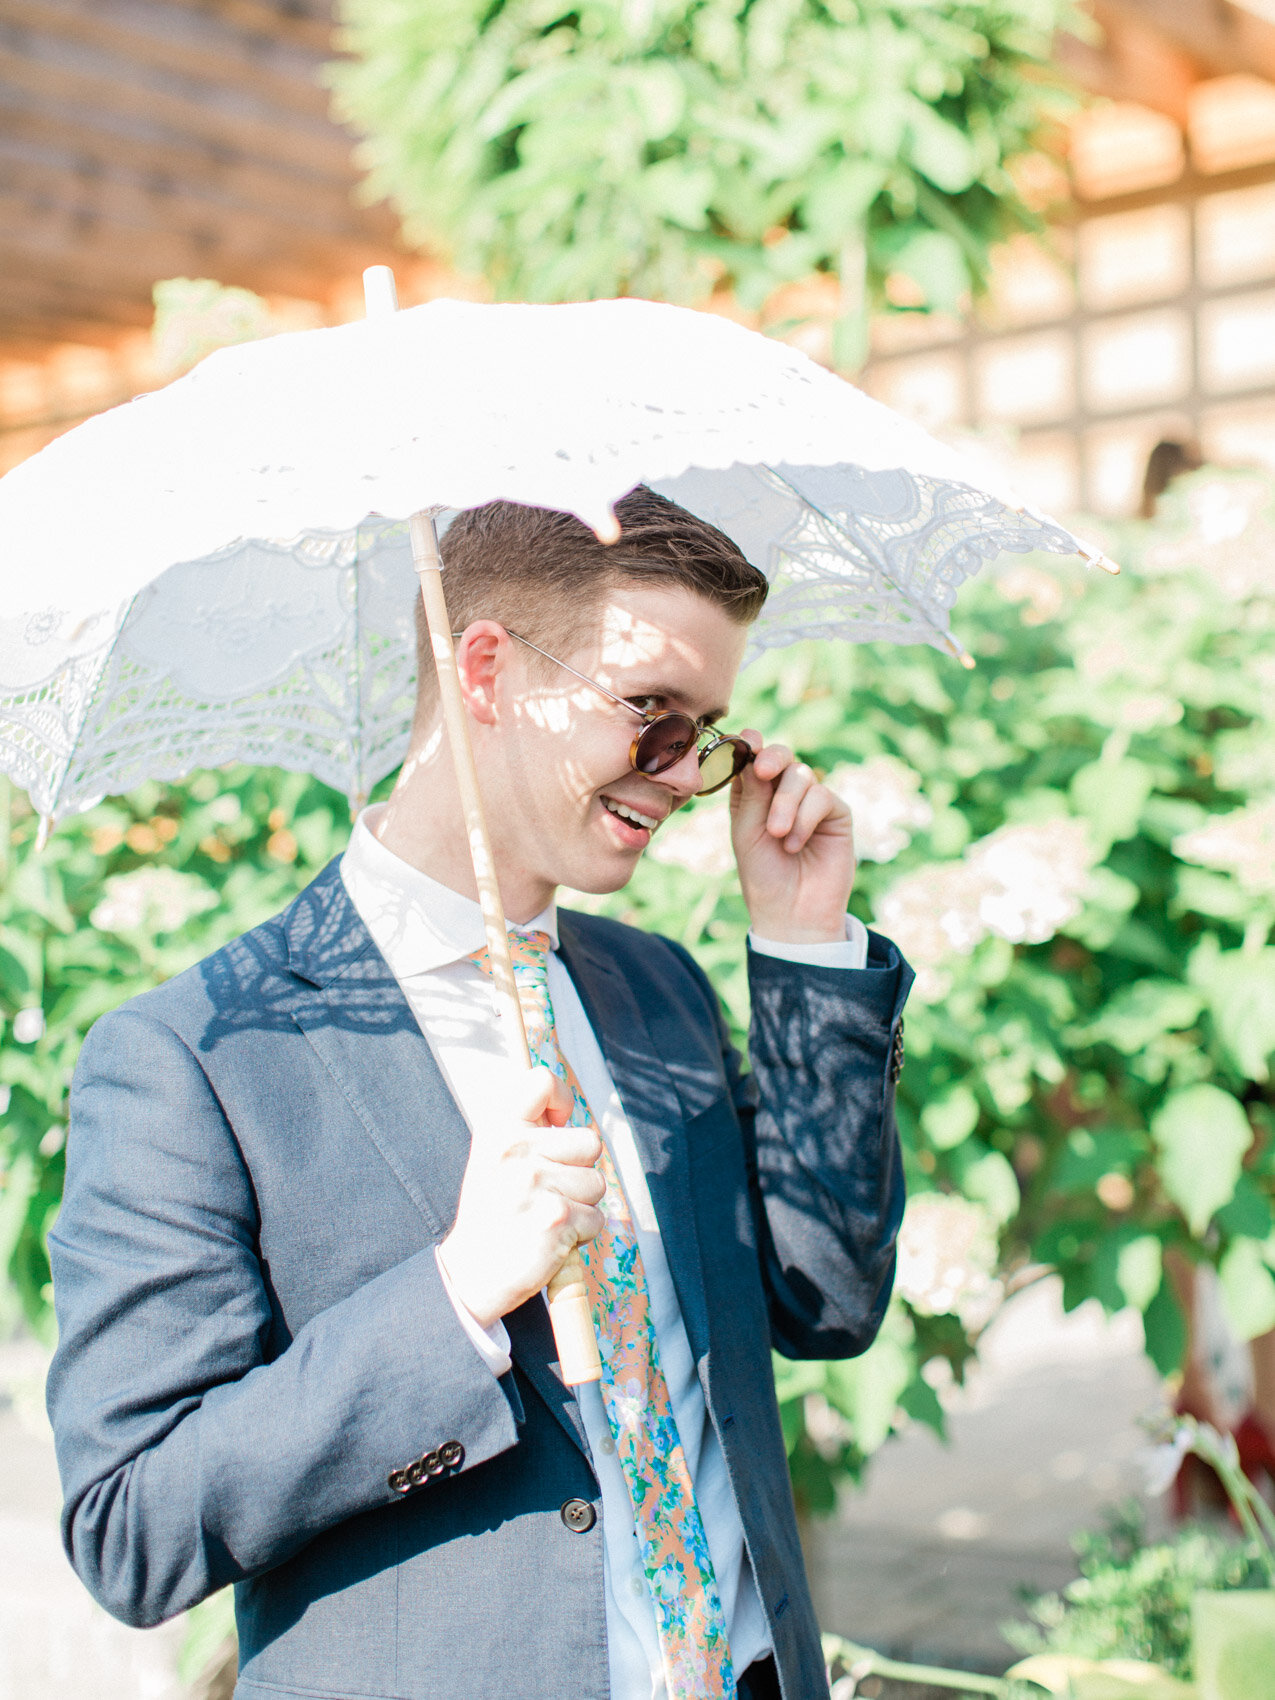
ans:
x=607 y=1443
x=578 y=1515
x=637 y=1585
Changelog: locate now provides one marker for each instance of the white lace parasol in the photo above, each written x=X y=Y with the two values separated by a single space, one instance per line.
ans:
x=220 y=571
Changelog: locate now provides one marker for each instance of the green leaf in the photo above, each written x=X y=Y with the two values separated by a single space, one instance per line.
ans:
x=1139 y=1271
x=939 y=150
x=867 y=1389
x=989 y=1180
x=1248 y=1289
x=679 y=192
x=936 y=264
x=1164 y=1331
x=1240 y=988
x=1111 y=795
x=951 y=1118
x=1145 y=1011
x=1202 y=1135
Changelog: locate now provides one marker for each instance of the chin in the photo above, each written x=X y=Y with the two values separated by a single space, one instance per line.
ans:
x=595 y=881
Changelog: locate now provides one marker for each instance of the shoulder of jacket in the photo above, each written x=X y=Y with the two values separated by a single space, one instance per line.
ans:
x=247 y=970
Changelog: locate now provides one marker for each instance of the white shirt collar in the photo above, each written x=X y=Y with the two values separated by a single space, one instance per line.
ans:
x=416 y=923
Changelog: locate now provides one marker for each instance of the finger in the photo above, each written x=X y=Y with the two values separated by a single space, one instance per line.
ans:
x=794 y=785
x=578 y=1146
x=540 y=1095
x=579 y=1185
x=753 y=788
x=816 y=806
x=586 y=1223
x=772 y=760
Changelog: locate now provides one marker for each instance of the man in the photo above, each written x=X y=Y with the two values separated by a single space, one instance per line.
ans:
x=303 y=1344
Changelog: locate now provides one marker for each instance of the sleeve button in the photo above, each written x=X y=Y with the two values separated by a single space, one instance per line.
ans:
x=452 y=1453
x=578 y=1515
x=415 y=1473
x=398 y=1481
x=433 y=1464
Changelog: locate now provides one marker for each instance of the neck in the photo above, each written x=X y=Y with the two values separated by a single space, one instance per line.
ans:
x=423 y=824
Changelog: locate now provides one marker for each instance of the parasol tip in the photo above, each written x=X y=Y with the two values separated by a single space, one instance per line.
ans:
x=608 y=531
x=1095 y=558
x=380 y=292
x=959 y=651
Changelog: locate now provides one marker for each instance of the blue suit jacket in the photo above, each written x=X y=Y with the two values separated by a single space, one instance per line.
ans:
x=254 y=1337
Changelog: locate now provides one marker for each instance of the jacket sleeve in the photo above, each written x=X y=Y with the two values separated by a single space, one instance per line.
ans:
x=821 y=1145
x=189 y=1459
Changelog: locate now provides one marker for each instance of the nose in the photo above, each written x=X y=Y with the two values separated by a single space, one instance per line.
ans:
x=684 y=777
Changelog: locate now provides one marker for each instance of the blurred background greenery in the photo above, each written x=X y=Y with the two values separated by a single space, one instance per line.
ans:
x=676 y=148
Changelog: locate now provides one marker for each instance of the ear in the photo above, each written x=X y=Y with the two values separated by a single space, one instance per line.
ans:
x=483 y=651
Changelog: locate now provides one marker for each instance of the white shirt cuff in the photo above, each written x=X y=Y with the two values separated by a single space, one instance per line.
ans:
x=491 y=1344
x=853 y=953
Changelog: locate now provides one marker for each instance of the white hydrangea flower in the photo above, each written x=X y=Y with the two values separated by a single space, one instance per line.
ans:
x=1022 y=882
x=1240 y=843
x=157 y=899
x=935 y=911
x=697 y=838
x=28 y=1026
x=884 y=796
x=1035 y=877
x=947 y=1258
x=1142 y=713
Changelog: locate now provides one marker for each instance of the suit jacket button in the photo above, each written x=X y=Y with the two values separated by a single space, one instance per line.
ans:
x=398 y=1481
x=578 y=1515
x=452 y=1453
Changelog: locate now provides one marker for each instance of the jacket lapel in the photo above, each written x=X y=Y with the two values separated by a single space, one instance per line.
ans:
x=354 y=1014
x=653 y=1107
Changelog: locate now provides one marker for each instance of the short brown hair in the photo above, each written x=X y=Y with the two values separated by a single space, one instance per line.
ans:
x=544 y=573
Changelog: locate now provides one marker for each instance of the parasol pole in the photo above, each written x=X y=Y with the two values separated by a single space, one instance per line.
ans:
x=569 y=1311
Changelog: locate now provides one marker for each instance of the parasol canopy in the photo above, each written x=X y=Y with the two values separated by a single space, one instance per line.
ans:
x=222 y=570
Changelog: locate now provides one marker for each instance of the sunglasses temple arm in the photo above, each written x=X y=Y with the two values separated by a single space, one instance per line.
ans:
x=584 y=680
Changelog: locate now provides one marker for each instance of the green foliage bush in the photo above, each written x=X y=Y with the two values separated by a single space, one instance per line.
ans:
x=121 y=898
x=1080 y=859
x=1132 y=1599
x=663 y=147
x=1075 y=846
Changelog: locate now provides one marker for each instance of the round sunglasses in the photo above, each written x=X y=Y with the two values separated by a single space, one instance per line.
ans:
x=666 y=737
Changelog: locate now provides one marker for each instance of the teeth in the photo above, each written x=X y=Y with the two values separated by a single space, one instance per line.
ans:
x=650 y=822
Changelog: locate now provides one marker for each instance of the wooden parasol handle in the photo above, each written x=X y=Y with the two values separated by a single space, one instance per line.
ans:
x=569 y=1312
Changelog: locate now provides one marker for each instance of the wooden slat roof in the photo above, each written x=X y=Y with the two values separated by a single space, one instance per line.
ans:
x=143 y=139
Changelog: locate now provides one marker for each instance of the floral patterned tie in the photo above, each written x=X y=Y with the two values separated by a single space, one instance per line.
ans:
x=675 y=1555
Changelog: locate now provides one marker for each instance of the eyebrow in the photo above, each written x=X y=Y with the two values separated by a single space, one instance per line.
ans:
x=671 y=694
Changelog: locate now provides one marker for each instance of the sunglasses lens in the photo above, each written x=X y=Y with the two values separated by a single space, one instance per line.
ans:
x=721 y=761
x=664 y=742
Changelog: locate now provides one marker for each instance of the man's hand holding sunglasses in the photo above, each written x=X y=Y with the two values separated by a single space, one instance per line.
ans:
x=794 y=845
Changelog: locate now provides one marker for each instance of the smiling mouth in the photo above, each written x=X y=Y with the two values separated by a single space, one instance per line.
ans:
x=633 y=816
